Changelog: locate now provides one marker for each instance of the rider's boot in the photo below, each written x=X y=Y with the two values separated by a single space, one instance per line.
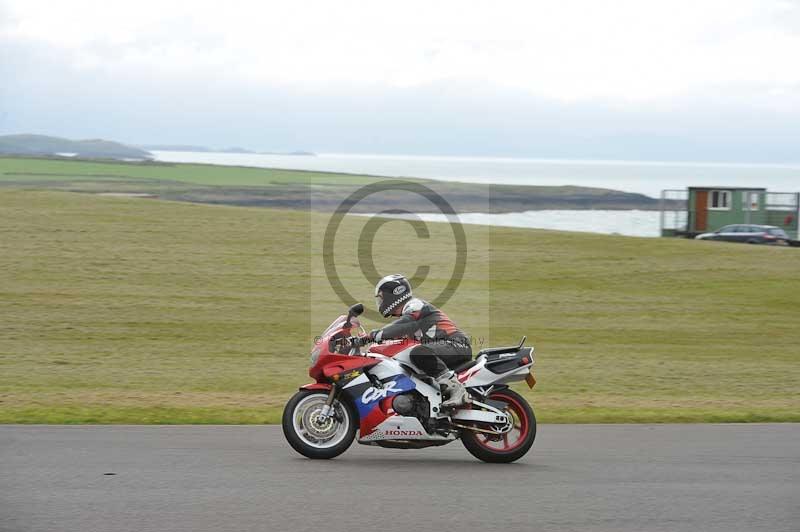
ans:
x=457 y=394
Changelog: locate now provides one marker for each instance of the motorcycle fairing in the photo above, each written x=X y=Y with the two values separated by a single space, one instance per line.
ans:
x=403 y=356
x=398 y=427
x=372 y=396
x=316 y=386
x=400 y=363
x=378 y=409
x=348 y=365
x=498 y=369
x=374 y=405
x=392 y=347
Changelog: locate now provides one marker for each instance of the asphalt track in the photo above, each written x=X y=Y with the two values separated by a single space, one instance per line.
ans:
x=245 y=478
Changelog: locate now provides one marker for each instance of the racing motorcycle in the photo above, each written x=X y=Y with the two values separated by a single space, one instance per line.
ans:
x=383 y=396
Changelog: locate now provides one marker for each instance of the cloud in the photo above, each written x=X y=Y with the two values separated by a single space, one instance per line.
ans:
x=626 y=52
x=678 y=80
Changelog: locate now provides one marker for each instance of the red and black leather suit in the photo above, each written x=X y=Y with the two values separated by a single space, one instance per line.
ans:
x=443 y=345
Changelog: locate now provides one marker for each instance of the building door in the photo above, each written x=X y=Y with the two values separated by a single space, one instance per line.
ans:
x=701 y=210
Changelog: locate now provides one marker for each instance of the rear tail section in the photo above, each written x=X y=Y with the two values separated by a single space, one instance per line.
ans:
x=499 y=366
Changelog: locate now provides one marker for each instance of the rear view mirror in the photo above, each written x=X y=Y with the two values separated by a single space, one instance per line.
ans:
x=352 y=312
x=356 y=310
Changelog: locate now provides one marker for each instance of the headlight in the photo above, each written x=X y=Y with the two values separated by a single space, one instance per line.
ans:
x=315 y=354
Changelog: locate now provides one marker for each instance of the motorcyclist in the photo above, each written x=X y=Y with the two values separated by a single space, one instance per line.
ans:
x=442 y=345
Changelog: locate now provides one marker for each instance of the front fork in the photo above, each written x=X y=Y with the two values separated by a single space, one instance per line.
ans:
x=327 y=409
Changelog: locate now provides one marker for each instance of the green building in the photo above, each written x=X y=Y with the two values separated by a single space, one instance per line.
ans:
x=705 y=209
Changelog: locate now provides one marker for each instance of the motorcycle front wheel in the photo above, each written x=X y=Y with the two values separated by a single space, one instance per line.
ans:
x=512 y=445
x=313 y=436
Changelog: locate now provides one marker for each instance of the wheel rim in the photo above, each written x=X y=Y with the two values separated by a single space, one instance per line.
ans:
x=516 y=436
x=314 y=432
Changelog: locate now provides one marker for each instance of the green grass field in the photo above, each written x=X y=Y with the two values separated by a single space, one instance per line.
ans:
x=119 y=310
x=248 y=186
x=27 y=169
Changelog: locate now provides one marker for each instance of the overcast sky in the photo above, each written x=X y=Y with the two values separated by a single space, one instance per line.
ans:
x=672 y=80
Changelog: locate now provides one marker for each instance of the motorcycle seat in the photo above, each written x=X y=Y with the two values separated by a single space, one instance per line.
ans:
x=493 y=351
x=465 y=366
x=498 y=350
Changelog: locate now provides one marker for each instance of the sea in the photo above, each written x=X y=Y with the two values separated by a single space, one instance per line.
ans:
x=644 y=177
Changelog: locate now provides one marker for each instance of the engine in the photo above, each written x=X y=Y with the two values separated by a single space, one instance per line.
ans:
x=411 y=404
x=416 y=405
x=404 y=404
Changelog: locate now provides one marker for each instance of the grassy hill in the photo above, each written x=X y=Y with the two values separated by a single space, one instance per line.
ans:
x=26 y=170
x=118 y=310
x=269 y=187
x=47 y=145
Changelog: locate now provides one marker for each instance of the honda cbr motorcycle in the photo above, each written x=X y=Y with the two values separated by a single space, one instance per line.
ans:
x=384 y=397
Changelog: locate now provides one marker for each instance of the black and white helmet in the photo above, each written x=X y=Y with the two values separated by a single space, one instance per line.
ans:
x=390 y=292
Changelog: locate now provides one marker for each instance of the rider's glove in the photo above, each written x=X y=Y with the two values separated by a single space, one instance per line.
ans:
x=360 y=341
x=375 y=336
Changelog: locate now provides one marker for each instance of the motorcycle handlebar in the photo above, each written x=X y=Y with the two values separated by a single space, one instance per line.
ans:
x=360 y=340
x=351 y=342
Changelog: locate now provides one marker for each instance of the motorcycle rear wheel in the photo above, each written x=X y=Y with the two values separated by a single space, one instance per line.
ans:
x=512 y=445
x=311 y=438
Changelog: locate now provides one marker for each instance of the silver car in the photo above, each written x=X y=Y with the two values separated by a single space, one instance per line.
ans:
x=748 y=233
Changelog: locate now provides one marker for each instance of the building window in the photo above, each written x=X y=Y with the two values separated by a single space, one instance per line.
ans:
x=749 y=201
x=719 y=200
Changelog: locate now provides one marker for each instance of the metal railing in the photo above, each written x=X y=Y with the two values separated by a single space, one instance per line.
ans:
x=674 y=207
